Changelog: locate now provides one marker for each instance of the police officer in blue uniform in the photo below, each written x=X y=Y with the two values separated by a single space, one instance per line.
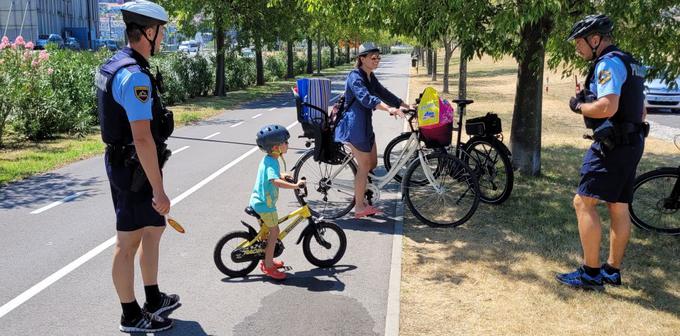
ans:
x=135 y=126
x=612 y=105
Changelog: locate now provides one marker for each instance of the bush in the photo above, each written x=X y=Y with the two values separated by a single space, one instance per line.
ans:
x=240 y=72
x=275 y=66
x=299 y=65
x=183 y=76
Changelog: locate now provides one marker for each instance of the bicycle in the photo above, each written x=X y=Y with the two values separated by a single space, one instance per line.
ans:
x=484 y=152
x=439 y=189
x=246 y=248
x=656 y=200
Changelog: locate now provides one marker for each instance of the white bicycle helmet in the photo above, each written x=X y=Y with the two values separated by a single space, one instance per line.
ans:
x=141 y=14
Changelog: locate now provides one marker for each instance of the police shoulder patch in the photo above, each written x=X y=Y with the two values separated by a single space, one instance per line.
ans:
x=142 y=93
x=604 y=76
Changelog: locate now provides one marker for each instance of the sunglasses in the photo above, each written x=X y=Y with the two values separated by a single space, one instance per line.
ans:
x=376 y=58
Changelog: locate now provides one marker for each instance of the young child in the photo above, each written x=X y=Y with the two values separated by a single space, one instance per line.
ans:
x=272 y=139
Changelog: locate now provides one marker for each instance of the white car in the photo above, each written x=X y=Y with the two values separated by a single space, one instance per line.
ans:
x=658 y=97
x=188 y=46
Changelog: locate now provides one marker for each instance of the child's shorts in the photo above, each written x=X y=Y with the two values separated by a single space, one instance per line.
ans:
x=270 y=219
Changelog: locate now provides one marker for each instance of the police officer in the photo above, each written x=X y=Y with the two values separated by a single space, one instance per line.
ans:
x=612 y=105
x=134 y=126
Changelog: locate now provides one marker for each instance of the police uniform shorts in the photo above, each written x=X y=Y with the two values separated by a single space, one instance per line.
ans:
x=610 y=177
x=270 y=219
x=133 y=209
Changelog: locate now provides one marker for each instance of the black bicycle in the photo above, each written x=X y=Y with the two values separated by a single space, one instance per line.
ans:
x=486 y=155
x=656 y=200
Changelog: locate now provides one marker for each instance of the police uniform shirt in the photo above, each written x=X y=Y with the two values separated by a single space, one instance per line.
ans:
x=132 y=90
x=610 y=74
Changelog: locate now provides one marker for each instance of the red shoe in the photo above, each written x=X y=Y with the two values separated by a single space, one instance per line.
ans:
x=278 y=263
x=273 y=272
x=369 y=210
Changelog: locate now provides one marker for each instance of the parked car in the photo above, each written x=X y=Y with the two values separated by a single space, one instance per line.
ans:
x=72 y=43
x=247 y=53
x=44 y=40
x=190 y=46
x=105 y=43
x=660 y=98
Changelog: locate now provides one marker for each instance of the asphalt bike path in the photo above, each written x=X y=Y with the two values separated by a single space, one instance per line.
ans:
x=209 y=179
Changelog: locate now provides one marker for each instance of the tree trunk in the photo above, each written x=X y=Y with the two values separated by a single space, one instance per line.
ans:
x=434 y=65
x=347 y=52
x=310 y=66
x=319 y=45
x=462 y=76
x=332 y=47
x=429 y=61
x=525 y=137
x=448 y=52
x=421 y=56
x=219 y=47
x=289 y=59
x=259 y=64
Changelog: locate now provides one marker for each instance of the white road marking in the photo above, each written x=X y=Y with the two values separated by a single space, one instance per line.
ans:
x=284 y=104
x=64 y=200
x=238 y=124
x=273 y=108
x=37 y=288
x=256 y=116
x=179 y=150
x=211 y=135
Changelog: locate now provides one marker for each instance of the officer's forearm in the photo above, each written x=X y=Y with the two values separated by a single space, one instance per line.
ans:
x=148 y=157
x=604 y=107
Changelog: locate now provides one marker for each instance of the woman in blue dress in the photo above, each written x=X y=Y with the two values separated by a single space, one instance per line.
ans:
x=363 y=94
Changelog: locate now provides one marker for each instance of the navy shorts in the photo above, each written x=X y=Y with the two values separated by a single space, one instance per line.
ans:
x=610 y=177
x=133 y=209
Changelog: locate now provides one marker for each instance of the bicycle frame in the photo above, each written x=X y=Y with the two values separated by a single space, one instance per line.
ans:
x=299 y=215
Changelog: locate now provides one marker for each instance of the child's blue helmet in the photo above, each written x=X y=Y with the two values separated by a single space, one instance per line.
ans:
x=270 y=136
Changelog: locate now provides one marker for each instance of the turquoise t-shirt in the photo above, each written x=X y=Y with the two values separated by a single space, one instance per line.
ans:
x=265 y=193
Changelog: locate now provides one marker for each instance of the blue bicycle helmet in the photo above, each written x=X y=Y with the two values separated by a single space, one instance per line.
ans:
x=270 y=136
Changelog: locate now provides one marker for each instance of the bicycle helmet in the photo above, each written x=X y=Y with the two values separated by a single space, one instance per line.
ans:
x=141 y=14
x=270 y=136
x=367 y=48
x=591 y=24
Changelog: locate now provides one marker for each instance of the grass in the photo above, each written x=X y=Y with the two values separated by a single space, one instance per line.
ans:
x=20 y=158
x=495 y=274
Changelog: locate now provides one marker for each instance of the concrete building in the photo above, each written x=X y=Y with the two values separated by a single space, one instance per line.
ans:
x=68 y=18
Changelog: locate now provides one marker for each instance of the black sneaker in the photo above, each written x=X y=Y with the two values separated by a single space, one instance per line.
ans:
x=147 y=323
x=613 y=279
x=167 y=302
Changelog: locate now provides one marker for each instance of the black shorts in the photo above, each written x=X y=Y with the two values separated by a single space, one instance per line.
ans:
x=610 y=177
x=133 y=209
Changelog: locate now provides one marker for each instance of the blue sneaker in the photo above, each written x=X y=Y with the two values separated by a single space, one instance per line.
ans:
x=613 y=279
x=580 y=279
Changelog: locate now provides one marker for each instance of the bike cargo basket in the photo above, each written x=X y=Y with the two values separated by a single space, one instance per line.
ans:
x=489 y=124
x=437 y=137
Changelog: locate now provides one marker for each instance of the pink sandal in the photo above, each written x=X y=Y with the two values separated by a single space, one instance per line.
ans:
x=369 y=210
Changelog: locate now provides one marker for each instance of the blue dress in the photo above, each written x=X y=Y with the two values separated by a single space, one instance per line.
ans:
x=362 y=96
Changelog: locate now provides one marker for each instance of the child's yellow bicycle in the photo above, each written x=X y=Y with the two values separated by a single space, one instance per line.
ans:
x=238 y=252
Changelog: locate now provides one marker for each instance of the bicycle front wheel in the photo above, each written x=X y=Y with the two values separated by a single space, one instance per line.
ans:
x=492 y=167
x=653 y=208
x=330 y=187
x=453 y=197
x=330 y=235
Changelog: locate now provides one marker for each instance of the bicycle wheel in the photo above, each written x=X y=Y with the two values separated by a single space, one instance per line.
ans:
x=319 y=255
x=488 y=159
x=223 y=251
x=455 y=198
x=394 y=150
x=327 y=198
x=652 y=208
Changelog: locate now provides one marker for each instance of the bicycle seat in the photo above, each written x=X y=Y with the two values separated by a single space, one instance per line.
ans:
x=249 y=210
x=463 y=101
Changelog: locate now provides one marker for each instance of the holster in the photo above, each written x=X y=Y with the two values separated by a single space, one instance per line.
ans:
x=139 y=179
